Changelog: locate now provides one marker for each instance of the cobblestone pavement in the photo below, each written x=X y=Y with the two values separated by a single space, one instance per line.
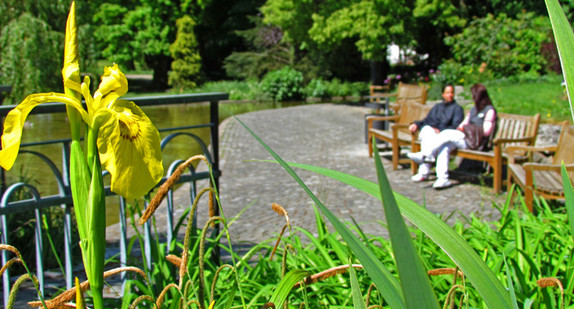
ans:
x=326 y=135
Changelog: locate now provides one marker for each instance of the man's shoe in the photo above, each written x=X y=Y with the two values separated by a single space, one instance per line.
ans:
x=419 y=177
x=417 y=157
x=441 y=183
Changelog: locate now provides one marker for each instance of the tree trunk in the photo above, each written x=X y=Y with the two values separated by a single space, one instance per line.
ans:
x=160 y=65
x=379 y=71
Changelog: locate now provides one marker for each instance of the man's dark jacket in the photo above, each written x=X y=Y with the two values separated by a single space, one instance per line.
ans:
x=443 y=116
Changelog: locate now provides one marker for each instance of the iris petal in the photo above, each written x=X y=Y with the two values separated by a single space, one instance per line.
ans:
x=129 y=146
x=71 y=69
x=114 y=82
x=14 y=122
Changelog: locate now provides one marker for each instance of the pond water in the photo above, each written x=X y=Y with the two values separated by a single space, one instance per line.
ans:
x=43 y=127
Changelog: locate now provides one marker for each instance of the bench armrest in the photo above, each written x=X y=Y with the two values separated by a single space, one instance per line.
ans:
x=395 y=127
x=382 y=118
x=515 y=151
x=529 y=167
x=370 y=119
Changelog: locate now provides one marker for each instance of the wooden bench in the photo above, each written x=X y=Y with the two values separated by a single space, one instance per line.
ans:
x=544 y=180
x=406 y=93
x=512 y=130
x=377 y=93
x=398 y=134
x=409 y=93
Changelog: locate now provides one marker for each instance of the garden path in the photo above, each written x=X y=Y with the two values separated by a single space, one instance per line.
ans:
x=331 y=136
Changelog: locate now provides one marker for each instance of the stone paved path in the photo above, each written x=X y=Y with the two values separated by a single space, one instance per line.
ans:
x=327 y=135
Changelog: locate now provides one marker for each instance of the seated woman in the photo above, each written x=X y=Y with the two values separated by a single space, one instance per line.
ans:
x=438 y=150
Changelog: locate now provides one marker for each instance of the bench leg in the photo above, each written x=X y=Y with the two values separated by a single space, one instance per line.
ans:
x=497 y=181
x=396 y=152
x=497 y=167
x=529 y=197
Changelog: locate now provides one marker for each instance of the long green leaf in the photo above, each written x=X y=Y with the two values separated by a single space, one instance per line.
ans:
x=411 y=271
x=510 y=285
x=358 y=302
x=286 y=285
x=382 y=278
x=80 y=179
x=477 y=272
x=565 y=43
x=569 y=197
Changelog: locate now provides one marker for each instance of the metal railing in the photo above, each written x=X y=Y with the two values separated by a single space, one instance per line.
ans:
x=11 y=205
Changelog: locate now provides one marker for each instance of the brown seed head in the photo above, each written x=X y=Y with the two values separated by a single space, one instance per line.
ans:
x=550 y=282
x=281 y=211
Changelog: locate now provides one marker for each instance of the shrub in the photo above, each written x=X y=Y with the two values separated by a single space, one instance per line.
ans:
x=186 y=65
x=449 y=72
x=317 y=88
x=508 y=46
x=452 y=72
x=283 y=85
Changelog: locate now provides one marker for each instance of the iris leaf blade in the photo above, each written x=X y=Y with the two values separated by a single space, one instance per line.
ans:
x=483 y=279
x=411 y=270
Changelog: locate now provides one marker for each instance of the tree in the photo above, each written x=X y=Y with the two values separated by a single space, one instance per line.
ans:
x=31 y=44
x=30 y=57
x=508 y=46
x=217 y=31
x=186 y=65
x=327 y=26
x=139 y=33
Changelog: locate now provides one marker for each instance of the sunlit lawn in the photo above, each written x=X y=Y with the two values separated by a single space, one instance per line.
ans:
x=546 y=97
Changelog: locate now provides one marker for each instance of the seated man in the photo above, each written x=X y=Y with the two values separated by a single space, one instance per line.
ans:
x=443 y=116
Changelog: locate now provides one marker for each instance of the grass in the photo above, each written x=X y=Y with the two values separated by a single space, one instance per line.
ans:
x=524 y=96
x=545 y=96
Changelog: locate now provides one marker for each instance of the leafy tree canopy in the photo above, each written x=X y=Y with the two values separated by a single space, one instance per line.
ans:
x=30 y=57
x=373 y=23
x=140 y=32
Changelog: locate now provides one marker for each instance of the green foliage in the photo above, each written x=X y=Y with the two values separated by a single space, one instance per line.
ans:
x=317 y=88
x=30 y=57
x=139 y=33
x=237 y=90
x=54 y=12
x=283 y=85
x=372 y=25
x=115 y=37
x=508 y=46
x=267 y=52
x=186 y=65
x=452 y=72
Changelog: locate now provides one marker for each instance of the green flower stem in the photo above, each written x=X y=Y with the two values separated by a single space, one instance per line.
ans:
x=97 y=233
x=92 y=147
x=93 y=242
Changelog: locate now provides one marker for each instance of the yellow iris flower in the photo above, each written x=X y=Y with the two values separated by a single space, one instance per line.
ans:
x=128 y=142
